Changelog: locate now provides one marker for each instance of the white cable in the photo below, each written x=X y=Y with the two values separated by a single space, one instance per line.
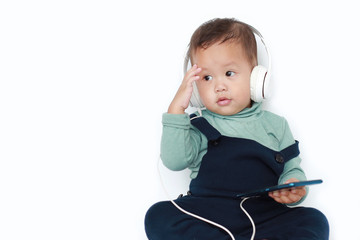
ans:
x=248 y=215
x=189 y=213
x=204 y=219
x=199 y=110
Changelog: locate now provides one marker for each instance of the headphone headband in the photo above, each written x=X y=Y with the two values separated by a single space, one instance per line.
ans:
x=266 y=48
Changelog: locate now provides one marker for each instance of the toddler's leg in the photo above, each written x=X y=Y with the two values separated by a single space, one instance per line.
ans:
x=311 y=224
x=298 y=224
x=163 y=221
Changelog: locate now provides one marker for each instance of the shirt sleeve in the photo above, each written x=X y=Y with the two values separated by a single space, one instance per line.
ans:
x=179 y=142
x=292 y=168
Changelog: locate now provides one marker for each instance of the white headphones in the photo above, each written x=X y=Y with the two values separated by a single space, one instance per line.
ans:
x=259 y=78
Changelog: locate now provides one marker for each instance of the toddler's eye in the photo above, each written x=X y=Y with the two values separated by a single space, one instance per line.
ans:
x=229 y=73
x=207 y=78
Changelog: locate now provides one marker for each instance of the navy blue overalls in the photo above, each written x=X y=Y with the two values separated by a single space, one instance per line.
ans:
x=232 y=166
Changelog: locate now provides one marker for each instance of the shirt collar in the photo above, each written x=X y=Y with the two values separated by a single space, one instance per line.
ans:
x=251 y=112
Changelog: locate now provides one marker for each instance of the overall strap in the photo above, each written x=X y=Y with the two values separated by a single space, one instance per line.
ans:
x=291 y=151
x=280 y=158
x=205 y=127
x=288 y=153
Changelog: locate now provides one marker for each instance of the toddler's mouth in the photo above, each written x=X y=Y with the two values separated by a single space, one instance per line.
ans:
x=223 y=101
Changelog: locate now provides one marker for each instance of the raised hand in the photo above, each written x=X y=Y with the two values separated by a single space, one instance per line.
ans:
x=182 y=98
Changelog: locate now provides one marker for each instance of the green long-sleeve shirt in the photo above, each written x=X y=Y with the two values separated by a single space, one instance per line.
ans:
x=183 y=146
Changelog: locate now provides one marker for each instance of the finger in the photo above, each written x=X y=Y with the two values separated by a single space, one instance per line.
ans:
x=291 y=180
x=294 y=198
x=286 y=196
x=192 y=79
x=193 y=70
x=287 y=199
x=275 y=194
x=299 y=191
x=281 y=199
x=284 y=192
x=191 y=76
x=302 y=188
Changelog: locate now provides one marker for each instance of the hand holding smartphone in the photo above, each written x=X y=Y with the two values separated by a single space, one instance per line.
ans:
x=265 y=191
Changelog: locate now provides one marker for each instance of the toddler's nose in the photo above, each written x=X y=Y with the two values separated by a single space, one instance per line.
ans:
x=220 y=87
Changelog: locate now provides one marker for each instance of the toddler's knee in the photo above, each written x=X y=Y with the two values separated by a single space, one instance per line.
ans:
x=155 y=220
x=320 y=217
x=320 y=222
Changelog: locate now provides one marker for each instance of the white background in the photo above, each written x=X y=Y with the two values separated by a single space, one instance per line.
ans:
x=83 y=85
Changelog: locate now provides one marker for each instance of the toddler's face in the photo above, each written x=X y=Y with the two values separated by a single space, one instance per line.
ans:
x=224 y=84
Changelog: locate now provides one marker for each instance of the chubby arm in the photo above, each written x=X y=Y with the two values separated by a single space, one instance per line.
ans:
x=180 y=144
x=292 y=173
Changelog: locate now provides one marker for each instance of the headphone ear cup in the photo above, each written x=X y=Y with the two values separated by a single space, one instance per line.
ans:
x=257 y=83
x=195 y=100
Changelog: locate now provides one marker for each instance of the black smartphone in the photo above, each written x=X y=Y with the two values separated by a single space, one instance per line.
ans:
x=277 y=187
